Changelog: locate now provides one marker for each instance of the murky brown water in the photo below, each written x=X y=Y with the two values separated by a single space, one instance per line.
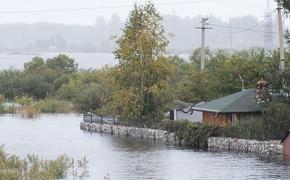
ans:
x=129 y=159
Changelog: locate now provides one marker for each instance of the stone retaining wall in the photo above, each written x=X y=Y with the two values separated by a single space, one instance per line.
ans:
x=250 y=146
x=150 y=134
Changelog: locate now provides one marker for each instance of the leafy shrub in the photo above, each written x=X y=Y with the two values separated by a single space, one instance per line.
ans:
x=276 y=120
x=192 y=135
x=250 y=129
x=54 y=106
x=13 y=167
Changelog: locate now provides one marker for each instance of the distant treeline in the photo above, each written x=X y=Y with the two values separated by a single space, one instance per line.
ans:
x=46 y=37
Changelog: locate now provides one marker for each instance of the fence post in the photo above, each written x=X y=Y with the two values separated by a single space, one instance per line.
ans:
x=91 y=118
x=102 y=120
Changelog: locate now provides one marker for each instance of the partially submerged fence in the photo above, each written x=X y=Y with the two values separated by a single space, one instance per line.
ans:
x=92 y=118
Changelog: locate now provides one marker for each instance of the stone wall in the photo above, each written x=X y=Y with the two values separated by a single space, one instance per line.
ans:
x=150 y=134
x=250 y=146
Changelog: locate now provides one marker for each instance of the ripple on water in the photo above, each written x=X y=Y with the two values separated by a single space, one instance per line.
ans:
x=127 y=158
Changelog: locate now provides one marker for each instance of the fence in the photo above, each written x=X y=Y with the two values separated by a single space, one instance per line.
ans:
x=92 y=118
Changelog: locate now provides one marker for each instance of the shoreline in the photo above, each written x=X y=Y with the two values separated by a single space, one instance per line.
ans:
x=267 y=148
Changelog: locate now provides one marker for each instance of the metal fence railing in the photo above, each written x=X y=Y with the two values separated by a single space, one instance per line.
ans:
x=92 y=118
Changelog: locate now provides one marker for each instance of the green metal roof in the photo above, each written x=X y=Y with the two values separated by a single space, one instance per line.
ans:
x=243 y=101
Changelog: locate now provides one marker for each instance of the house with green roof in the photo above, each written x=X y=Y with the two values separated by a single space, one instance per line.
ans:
x=230 y=109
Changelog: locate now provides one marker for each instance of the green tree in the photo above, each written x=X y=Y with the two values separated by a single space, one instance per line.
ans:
x=286 y=6
x=195 y=57
x=88 y=89
x=195 y=87
x=10 y=83
x=143 y=73
x=35 y=63
x=62 y=64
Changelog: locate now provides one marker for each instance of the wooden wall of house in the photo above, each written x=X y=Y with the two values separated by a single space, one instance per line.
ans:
x=286 y=146
x=216 y=119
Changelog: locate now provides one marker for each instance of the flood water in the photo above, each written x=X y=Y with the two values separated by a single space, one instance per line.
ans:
x=126 y=158
x=84 y=60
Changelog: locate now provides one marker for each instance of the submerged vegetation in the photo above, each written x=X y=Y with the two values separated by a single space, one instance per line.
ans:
x=32 y=167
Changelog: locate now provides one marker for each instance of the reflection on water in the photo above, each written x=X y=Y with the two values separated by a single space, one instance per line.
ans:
x=128 y=158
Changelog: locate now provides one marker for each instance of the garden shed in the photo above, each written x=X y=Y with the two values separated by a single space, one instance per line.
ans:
x=230 y=109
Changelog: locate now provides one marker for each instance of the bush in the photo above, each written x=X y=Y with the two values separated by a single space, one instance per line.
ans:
x=54 y=106
x=191 y=135
x=276 y=120
x=13 y=167
x=197 y=136
x=251 y=129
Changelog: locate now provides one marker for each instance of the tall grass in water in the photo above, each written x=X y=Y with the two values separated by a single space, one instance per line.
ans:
x=27 y=108
x=33 y=167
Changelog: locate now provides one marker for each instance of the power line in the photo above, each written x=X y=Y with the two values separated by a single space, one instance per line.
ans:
x=240 y=28
x=245 y=29
x=102 y=7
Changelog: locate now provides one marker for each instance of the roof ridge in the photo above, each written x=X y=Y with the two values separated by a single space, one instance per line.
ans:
x=240 y=93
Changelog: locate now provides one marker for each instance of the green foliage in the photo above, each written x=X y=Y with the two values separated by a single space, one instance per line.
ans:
x=38 y=83
x=54 y=106
x=24 y=100
x=35 y=64
x=13 y=167
x=191 y=135
x=39 y=78
x=180 y=69
x=286 y=6
x=250 y=129
x=10 y=83
x=195 y=57
x=2 y=104
x=220 y=77
x=196 y=87
x=62 y=64
x=143 y=74
x=277 y=120
x=88 y=90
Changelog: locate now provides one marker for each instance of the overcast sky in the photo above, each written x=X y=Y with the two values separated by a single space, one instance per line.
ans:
x=106 y=8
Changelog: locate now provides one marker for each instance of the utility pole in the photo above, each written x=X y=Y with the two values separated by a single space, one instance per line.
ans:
x=203 y=28
x=281 y=36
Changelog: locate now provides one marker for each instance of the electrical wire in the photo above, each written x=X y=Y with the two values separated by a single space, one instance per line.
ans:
x=251 y=28
x=102 y=7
